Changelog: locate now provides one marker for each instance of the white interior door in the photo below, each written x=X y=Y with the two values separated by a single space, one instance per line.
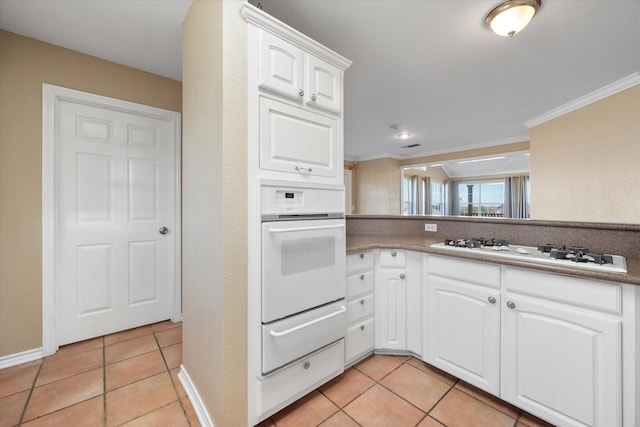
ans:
x=115 y=191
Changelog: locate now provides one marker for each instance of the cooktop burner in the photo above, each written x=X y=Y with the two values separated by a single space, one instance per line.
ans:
x=568 y=256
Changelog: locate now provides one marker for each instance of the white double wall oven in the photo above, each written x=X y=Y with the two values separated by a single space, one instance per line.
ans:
x=303 y=270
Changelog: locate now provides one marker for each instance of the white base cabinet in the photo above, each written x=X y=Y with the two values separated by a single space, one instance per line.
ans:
x=562 y=348
x=359 y=337
x=562 y=361
x=463 y=321
x=398 y=314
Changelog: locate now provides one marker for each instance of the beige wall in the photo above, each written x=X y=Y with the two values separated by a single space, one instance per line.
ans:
x=24 y=65
x=585 y=165
x=376 y=187
x=215 y=207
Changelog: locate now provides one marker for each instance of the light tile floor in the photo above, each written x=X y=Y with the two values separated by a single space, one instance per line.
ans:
x=129 y=379
x=395 y=391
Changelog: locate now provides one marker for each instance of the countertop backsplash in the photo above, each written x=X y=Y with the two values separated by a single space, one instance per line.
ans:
x=618 y=239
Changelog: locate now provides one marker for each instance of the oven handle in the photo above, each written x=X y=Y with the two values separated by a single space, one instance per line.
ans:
x=287 y=230
x=312 y=322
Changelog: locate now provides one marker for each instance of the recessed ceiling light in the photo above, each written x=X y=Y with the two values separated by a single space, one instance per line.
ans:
x=404 y=135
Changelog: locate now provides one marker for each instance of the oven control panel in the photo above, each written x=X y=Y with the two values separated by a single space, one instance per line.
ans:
x=281 y=199
x=286 y=198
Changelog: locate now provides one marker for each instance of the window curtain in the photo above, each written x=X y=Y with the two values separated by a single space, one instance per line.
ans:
x=515 y=197
x=454 y=198
x=426 y=190
x=415 y=194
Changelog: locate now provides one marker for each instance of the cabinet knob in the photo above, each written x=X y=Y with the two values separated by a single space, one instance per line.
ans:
x=492 y=300
x=314 y=97
x=393 y=253
x=402 y=276
x=362 y=301
x=301 y=92
x=511 y=304
x=307 y=365
x=361 y=256
x=362 y=327
x=362 y=277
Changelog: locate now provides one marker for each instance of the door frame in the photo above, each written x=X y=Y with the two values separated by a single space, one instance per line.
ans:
x=51 y=95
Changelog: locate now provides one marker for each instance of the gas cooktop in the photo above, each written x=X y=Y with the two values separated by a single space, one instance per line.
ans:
x=564 y=256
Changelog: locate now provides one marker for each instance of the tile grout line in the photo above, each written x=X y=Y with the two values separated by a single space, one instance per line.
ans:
x=33 y=386
x=104 y=383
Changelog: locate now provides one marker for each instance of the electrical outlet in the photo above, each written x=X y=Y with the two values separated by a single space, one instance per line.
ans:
x=431 y=227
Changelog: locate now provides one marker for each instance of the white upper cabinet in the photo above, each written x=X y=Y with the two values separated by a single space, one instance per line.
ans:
x=280 y=66
x=295 y=94
x=299 y=142
x=324 y=85
x=289 y=71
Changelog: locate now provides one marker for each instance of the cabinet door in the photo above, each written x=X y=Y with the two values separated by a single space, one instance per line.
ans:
x=324 y=85
x=560 y=363
x=464 y=331
x=391 y=309
x=297 y=141
x=280 y=67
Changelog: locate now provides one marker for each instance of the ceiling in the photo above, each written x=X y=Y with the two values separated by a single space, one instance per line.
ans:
x=143 y=34
x=428 y=66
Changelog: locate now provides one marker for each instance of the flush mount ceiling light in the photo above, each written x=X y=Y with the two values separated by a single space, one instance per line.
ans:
x=511 y=16
x=404 y=135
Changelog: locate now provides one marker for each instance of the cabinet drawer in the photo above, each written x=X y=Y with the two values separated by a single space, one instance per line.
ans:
x=359 y=261
x=578 y=292
x=359 y=339
x=359 y=308
x=359 y=283
x=393 y=258
x=300 y=377
x=465 y=270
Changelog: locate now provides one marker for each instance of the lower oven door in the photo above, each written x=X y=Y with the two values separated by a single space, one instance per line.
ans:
x=289 y=339
x=303 y=266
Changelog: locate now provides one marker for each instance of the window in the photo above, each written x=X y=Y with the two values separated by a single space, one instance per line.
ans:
x=437 y=198
x=480 y=198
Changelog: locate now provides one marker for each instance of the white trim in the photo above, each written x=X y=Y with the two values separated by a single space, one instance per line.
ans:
x=583 y=101
x=51 y=95
x=22 y=357
x=194 y=397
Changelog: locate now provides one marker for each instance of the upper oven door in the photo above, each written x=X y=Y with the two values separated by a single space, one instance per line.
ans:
x=303 y=265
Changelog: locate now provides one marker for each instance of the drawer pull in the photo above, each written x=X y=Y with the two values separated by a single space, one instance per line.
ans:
x=362 y=327
x=362 y=277
x=307 y=324
x=362 y=301
x=393 y=254
x=307 y=365
x=361 y=256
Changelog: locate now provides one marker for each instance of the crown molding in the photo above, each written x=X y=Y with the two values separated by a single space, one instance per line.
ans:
x=583 y=101
x=263 y=20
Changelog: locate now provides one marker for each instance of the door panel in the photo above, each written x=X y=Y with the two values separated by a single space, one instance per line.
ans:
x=297 y=141
x=280 y=67
x=324 y=85
x=114 y=180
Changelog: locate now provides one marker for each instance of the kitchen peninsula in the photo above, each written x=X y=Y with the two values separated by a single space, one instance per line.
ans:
x=554 y=339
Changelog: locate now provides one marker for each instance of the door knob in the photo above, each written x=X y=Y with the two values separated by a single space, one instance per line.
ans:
x=163 y=230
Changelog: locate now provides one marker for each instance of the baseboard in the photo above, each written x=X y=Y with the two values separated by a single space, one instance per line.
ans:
x=22 y=357
x=194 y=397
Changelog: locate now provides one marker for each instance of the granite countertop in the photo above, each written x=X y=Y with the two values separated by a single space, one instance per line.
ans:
x=363 y=242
